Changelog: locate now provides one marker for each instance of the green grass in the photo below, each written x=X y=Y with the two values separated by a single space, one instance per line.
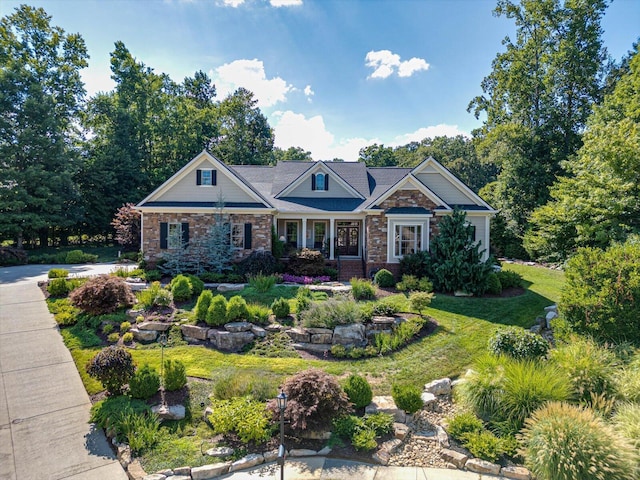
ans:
x=464 y=328
x=107 y=253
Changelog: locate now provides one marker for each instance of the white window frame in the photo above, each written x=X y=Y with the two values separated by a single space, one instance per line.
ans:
x=174 y=235
x=398 y=241
x=393 y=221
x=237 y=235
x=286 y=233
x=209 y=173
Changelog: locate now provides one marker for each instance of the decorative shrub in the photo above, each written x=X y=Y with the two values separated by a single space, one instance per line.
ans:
x=139 y=430
x=13 y=256
x=414 y=264
x=262 y=283
x=217 y=312
x=106 y=413
x=127 y=337
x=626 y=421
x=248 y=418
x=303 y=299
x=601 y=297
x=331 y=313
x=407 y=397
x=58 y=273
x=58 y=287
x=411 y=283
x=237 y=309
x=154 y=296
x=258 y=313
x=566 y=442
x=153 y=275
x=494 y=287
x=589 y=367
x=384 y=278
x=259 y=262
x=509 y=279
x=113 y=366
x=314 y=399
x=113 y=337
x=125 y=327
x=77 y=256
x=358 y=390
x=420 y=300
x=197 y=285
x=362 y=289
x=306 y=262
x=175 y=375
x=108 y=328
x=145 y=383
x=484 y=444
x=202 y=305
x=181 y=288
x=102 y=294
x=504 y=391
x=464 y=423
x=281 y=308
x=364 y=439
x=518 y=343
x=388 y=342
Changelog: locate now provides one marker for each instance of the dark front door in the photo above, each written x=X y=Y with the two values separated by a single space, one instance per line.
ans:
x=348 y=238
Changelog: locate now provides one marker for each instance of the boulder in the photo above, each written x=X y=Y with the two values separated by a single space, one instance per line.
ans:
x=220 y=452
x=144 y=336
x=324 y=451
x=516 y=473
x=322 y=338
x=258 y=331
x=551 y=308
x=400 y=430
x=133 y=314
x=455 y=458
x=206 y=472
x=302 y=452
x=230 y=287
x=382 y=457
x=353 y=335
x=248 y=461
x=169 y=412
x=478 y=465
x=193 y=331
x=443 y=438
x=186 y=471
x=237 y=327
x=271 y=455
x=429 y=401
x=124 y=455
x=386 y=404
x=391 y=446
x=231 y=342
x=299 y=335
x=135 y=471
x=157 y=326
x=439 y=387
x=155 y=476
x=550 y=316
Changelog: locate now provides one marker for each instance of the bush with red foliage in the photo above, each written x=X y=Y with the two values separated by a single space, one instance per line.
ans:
x=103 y=294
x=314 y=398
x=113 y=366
x=127 y=226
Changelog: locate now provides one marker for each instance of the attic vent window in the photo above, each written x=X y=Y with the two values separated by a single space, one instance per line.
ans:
x=320 y=182
x=206 y=177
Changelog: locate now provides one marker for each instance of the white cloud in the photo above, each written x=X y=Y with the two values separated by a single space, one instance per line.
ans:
x=285 y=3
x=385 y=63
x=441 y=130
x=232 y=3
x=250 y=74
x=309 y=93
x=295 y=130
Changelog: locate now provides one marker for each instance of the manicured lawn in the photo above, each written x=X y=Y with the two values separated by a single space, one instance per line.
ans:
x=464 y=327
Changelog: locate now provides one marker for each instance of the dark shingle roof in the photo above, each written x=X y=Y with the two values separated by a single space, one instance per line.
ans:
x=407 y=211
x=297 y=204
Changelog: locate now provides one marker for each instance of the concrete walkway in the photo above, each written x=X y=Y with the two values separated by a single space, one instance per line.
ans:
x=44 y=408
x=321 y=468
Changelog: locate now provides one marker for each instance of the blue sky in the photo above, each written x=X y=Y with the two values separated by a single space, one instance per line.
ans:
x=332 y=76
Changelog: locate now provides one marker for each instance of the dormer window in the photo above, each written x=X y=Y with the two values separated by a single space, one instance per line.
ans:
x=206 y=177
x=320 y=181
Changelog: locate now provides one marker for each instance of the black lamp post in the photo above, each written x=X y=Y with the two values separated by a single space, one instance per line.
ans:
x=163 y=342
x=282 y=405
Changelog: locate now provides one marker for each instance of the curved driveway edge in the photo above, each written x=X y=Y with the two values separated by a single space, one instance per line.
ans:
x=44 y=408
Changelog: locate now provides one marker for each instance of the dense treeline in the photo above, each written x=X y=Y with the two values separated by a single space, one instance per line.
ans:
x=69 y=162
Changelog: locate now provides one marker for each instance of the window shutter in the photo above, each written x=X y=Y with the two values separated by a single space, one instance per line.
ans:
x=164 y=232
x=185 y=233
x=326 y=181
x=214 y=177
x=198 y=177
x=313 y=182
x=247 y=236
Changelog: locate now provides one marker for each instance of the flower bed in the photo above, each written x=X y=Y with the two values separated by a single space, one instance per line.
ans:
x=304 y=280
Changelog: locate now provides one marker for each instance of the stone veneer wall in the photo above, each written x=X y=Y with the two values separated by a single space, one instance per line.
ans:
x=376 y=227
x=199 y=224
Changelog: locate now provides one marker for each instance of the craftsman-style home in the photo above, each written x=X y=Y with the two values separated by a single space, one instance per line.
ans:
x=365 y=218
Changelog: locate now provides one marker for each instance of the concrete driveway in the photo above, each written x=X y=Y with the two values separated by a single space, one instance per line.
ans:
x=44 y=408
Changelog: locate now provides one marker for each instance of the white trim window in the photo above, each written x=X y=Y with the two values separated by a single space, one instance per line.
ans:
x=407 y=240
x=237 y=235
x=174 y=235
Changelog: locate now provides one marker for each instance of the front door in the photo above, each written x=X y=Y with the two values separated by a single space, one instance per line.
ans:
x=348 y=238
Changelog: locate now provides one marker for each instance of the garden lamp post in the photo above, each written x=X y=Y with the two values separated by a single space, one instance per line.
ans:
x=163 y=342
x=281 y=399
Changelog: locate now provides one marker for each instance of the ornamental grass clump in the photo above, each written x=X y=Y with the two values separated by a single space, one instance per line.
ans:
x=626 y=421
x=567 y=442
x=315 y=398
x=331 y=313
x=362 y=289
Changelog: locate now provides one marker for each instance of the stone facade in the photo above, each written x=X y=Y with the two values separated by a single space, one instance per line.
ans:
x=199 y=224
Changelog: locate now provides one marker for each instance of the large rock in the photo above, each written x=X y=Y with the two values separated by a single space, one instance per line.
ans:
x=443 y=438
x=144 y=336
x=193 y=331
x=231 y=342
x=352 y=335
x=302 y=452
x=313 y=347
x=516 y=473
x=299 y=335
x=441 y=386
x=385 y=404
x=400 y=430
x=429 y=401
x=220 y=452
x=135 y=471
x=456 y=458
x=272 y=455
x=482 y=466
x=392 y=445
x=157 y=326
x=169 y=412
x=124 y=455
x=155 y=476
x=258 y=331
x=249 y=461
x=230 y=287
x=237 y=327
x=322 y=338
x=207 y=472
x=550 y=316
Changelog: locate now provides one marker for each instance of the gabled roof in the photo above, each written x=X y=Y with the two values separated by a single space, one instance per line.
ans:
x=403 y=182
x=322 y=167
x=191 y=166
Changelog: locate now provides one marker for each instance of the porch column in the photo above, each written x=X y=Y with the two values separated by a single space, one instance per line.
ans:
x=332 y=235
x=304 y=233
